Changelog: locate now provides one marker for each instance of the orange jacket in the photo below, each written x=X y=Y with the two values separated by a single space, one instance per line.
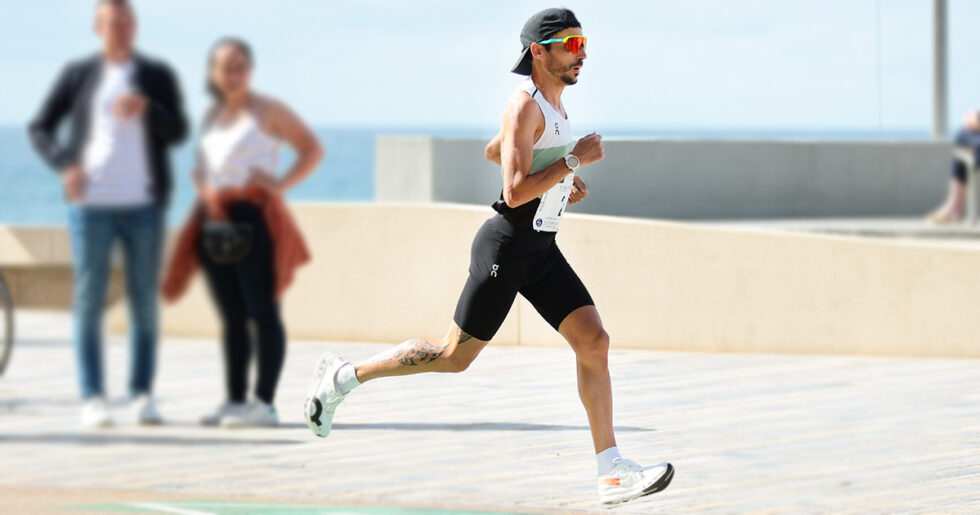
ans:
x=290 y=248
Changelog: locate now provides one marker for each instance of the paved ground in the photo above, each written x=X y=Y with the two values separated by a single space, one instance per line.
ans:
x=745 y=432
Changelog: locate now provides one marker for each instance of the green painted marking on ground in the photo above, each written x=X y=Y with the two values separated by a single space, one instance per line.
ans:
x=217 y=507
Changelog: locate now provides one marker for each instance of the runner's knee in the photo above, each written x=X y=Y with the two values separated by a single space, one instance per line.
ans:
x=454 y=360
x=593 y=346
x=457 y=363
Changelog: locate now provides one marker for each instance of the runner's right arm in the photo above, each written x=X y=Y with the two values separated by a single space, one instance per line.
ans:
x=522 y=125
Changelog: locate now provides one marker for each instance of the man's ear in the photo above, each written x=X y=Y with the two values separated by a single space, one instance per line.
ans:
x=537 y=50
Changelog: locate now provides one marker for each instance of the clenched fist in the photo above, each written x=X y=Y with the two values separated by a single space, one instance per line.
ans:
x=580 y=190
x=589 y=149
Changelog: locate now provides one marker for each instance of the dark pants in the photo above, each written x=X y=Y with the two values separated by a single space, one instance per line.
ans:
x=245 y=291
x=964 y=138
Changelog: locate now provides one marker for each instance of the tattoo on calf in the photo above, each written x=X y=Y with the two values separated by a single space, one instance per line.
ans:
x=461 y=336
x=418 y=352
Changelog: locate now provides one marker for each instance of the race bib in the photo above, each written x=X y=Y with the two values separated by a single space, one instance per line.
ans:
x=552 y=205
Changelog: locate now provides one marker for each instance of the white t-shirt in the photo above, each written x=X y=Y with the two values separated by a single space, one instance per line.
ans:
x=114 y=158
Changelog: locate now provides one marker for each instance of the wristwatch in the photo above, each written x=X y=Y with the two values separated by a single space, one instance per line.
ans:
x=571 y=161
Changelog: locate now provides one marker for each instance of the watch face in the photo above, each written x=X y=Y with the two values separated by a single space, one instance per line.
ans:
x=571 y=161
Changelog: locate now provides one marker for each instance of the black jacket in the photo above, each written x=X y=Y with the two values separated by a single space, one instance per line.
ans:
x=164 y=122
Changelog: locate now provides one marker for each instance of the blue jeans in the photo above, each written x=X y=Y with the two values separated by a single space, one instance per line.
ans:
x=964 y=138
x=93 y=232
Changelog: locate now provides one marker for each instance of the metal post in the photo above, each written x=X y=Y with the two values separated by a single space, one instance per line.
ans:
x=939 y=88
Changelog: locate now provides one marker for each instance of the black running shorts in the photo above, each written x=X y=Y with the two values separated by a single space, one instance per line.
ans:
x=506 y=260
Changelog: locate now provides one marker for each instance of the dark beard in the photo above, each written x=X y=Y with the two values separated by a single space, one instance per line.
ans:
x=564 y=73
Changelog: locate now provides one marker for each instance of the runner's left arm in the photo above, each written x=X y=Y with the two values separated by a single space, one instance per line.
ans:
x=492 y=152
x=580 y=190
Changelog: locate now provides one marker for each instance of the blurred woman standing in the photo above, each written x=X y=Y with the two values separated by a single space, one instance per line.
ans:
x=241 y=231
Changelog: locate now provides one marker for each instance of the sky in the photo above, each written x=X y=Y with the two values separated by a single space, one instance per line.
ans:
x=689 y=64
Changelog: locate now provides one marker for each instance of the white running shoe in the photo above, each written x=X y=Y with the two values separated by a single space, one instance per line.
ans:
x=145 y=410
x=228 y=408
x=95 y=414
x=628 y=480
x=324 y=396
x=254 y=414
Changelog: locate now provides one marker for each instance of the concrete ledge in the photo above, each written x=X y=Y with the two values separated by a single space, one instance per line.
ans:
x=386 y=272
x=694 y=179
x=37 y=267
x=34 y=245
x=380 y=273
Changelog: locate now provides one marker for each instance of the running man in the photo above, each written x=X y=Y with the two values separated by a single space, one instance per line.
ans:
x=515 y=252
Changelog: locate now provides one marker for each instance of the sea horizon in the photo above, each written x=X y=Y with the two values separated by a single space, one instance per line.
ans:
x=31 y=195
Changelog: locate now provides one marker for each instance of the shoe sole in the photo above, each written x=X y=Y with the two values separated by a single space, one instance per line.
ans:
x=657 y=486
x=311 y=399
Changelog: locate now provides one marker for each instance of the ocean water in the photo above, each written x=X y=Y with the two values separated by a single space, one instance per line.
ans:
x=30 y=193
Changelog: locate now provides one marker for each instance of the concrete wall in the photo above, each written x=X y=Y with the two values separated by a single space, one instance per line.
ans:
x=386 y=272
x=36 y=265
x=693 y=179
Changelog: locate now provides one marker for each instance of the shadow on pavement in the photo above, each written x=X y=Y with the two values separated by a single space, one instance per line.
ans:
x=42 y=342
x=474 y=426
x=117 y=439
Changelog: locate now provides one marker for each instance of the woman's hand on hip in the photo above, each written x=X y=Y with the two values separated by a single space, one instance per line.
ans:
x=267 y=181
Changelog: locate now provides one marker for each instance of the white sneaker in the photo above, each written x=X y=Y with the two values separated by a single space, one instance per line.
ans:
x=253 y=414
x=95 y=414
x=145 y=410
x=628 y=480
x=324 y=397
x=228 y=408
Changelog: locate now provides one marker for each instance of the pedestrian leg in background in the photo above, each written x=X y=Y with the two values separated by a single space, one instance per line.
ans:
x=92 y=233
x=141 y=232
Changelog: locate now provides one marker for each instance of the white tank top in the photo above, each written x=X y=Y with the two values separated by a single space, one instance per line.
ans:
x=554 y=143
x=231 y=153
x=557 y=138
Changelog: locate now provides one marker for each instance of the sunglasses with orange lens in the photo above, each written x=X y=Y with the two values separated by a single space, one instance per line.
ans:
x=573 y=44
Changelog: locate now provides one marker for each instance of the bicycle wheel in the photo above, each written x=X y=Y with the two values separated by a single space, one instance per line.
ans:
x=6 y=325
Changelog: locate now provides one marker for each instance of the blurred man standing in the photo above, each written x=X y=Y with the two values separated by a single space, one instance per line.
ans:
x=124 y=111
